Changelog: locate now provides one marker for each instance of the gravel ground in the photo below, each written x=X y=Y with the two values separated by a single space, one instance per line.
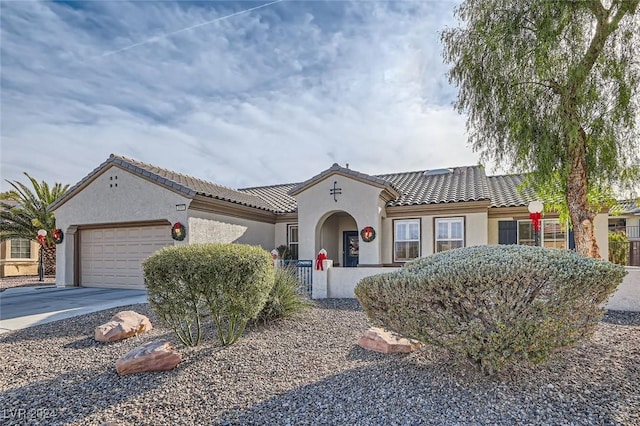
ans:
x=309 y=371
x=25 y=281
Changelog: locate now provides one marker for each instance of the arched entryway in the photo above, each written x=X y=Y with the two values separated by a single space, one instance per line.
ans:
x=337 y=233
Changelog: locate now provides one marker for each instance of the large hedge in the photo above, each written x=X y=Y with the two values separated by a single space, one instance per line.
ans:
x=493 y=305
x=229 y=283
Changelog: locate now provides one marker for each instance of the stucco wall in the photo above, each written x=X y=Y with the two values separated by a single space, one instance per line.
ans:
x=340 y=282
x=134 y=199
x=207 y=227
x=16 y=267
x=475 y=232
x=627 y=296
x=360 y=200
x=281 y=233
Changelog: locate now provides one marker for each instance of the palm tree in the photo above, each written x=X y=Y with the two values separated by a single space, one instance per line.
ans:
x=23 y=211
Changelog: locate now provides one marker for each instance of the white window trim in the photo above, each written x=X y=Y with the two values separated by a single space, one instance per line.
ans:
x=448 y=219
x=395 y=240
x=541 y=232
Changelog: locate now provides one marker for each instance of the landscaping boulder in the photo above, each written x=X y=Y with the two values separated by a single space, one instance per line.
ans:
x=123 y=325
x=383 y=341
x=153 y=356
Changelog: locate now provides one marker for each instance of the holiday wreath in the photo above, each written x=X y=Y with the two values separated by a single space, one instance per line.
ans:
x=368 y=234
x=178 y=231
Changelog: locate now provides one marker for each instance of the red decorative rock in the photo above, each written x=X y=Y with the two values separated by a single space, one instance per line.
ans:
x=152 y=356
x=123 y=325
x=380 y=340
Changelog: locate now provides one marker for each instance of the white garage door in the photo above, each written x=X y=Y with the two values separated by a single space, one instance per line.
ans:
x=112 y=257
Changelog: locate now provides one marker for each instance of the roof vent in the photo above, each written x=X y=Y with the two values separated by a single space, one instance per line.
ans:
x=436 y=172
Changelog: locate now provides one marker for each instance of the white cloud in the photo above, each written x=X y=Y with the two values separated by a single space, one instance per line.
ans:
x=272 y=96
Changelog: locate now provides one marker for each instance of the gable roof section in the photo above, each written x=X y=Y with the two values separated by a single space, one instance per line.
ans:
x=627 y=207
x=337 y=169
x=505 y=191
x=186 y=185
x=459 y=184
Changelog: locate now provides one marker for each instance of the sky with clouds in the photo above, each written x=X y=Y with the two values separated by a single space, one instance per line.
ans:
x=240 y=93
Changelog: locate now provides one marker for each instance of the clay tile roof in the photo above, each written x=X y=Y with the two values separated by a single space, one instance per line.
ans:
x=505 y=191
x=627 y=207
x=188 y=185
x=276 y=195
x=458 y=184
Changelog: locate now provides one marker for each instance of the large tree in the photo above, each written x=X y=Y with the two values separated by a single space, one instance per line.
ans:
x=24 y=210
x=551 y=89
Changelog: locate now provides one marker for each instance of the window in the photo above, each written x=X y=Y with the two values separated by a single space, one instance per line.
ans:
x=21 y=249
x=292 y=240
x=449 y=233
x=551 y=234
x=406 y=239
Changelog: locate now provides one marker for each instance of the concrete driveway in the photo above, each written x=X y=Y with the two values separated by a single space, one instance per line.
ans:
x=26 y=307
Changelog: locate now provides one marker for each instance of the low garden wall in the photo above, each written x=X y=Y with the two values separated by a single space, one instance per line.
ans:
x=627 y=296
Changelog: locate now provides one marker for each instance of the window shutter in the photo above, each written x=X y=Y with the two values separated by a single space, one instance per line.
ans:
x=508 y=232
x=572 y=240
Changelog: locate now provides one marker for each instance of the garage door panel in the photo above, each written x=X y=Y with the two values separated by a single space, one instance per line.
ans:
x=113 y=257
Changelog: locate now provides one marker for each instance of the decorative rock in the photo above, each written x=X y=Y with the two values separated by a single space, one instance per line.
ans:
x=153 y=356
x=123 y=325
x=381 y=340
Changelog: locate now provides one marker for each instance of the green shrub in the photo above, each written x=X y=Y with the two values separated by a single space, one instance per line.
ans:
x=284 y=299
x=173 y=293
x=618 y=248
x=228 y=283
x=493 y=305
x=236 y=285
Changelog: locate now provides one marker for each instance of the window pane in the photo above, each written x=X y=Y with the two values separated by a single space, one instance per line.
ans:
x=553 y=234
x=456 y=230
x=414 y=231
x=447 y=245
x=20 y=249
x=293 y=234
x=525 y=233
x=407 y=250
x=443 y=230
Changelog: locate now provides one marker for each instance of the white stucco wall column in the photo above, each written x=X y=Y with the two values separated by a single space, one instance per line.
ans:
x=320 y=286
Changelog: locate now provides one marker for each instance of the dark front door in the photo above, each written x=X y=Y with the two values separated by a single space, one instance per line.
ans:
x=351 y=248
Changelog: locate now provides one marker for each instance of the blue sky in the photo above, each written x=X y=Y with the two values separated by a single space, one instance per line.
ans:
x=216 y=90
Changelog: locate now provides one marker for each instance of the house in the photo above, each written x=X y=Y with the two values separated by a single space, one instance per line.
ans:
x=124 y=210
x=18 y=256
x=625 y=219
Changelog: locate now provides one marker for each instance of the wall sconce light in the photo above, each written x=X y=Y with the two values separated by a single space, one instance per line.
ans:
x=181 y=207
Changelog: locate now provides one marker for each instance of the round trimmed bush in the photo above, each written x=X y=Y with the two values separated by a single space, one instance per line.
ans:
x=493 y=305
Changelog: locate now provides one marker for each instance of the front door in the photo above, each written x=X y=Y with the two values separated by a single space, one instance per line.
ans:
x=351 y=242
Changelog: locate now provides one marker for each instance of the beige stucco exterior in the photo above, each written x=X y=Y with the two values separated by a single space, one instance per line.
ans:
x=205 y=227
x=359 y=204
x=134 y=200
x=10 y=267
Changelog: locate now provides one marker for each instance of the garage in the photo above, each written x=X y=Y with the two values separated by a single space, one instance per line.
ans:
x=112 y=257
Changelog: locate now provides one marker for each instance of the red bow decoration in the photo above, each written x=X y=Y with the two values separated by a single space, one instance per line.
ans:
x=535 y=220
x=321 y=256
x=41 y=238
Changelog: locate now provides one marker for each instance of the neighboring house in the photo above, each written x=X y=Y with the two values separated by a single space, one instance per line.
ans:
x=18 y=256
x=625 y=219
x=124 y=210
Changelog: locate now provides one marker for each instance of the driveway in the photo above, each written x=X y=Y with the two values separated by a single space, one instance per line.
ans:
x=26 y=307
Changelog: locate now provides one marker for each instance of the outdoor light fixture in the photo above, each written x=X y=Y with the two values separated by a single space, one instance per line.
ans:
x=181 y=207
x=535 y=214
x=42 y=235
